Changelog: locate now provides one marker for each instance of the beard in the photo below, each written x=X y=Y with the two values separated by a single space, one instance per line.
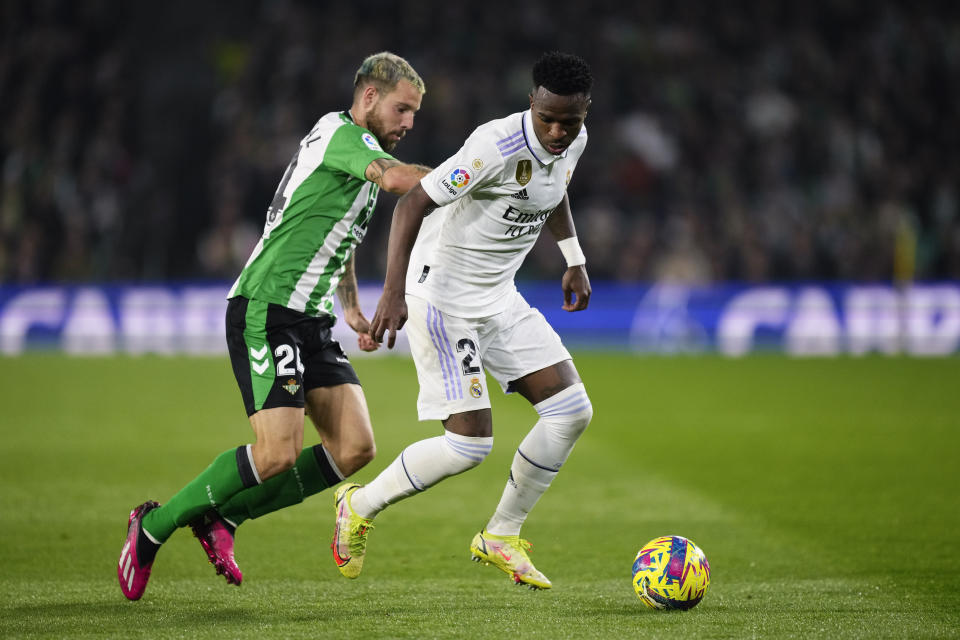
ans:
x=377 y=128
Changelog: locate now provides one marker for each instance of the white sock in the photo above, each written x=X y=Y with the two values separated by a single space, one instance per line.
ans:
x=420 y=466
x=563 y=417
x=525 y=486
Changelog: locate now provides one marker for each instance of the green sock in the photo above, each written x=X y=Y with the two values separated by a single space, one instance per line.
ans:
x=312 y=473
x=230 y=472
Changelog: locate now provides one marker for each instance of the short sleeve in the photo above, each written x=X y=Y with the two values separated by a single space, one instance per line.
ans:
x=352 y=149
x=476 y=164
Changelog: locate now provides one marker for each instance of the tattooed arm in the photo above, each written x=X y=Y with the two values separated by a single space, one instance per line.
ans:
x=395 y=176
x=352 y=314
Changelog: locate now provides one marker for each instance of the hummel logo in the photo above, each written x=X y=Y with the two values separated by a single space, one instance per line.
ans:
x=258 y=354
x=520 y=195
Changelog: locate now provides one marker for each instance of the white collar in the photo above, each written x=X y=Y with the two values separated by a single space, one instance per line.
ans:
x=543 y=156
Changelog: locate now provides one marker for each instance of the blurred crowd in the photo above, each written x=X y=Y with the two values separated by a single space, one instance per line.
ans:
x=748 y=141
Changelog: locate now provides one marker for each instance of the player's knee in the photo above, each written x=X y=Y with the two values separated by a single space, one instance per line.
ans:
x=581 y=419
x=275 y=461
x=356 y=457
x=466 y=452
x=284 y=461
x=570 y=415
x=571 y=427
x=366 y=454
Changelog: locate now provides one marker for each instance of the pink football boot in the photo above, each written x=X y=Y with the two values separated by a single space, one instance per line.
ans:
x=133 y=575
x=216 y=538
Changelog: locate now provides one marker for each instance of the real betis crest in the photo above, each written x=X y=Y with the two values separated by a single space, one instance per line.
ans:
x=291 y=386
x=524 y=172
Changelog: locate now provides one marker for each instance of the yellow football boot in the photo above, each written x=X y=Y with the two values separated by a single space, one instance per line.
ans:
x=350 y=535
x=509 y=554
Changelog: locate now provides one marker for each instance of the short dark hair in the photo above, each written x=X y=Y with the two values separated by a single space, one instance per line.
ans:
x=562 y=73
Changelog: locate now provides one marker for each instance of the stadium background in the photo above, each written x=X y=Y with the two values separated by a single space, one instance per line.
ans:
x=760 y=175
x=754 y=144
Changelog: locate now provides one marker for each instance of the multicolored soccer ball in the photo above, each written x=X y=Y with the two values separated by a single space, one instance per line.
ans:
x=671 y=573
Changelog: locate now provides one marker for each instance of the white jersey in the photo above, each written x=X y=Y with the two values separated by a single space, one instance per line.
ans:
x=494 y=196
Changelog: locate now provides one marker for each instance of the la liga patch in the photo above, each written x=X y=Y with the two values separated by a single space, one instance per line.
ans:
x=455 y=180
x=460 y=178
x=371 y=141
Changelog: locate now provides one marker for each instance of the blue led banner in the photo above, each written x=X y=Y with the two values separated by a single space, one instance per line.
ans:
x=799 y=319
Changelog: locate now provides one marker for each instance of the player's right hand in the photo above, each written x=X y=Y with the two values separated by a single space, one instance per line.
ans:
x=389 y=318
x=358 y=322
x=366 y=343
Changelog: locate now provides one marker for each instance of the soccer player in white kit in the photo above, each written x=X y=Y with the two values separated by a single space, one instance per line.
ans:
x=456 y=242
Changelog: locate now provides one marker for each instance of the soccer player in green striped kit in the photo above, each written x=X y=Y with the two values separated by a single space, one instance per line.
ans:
x=279 y=316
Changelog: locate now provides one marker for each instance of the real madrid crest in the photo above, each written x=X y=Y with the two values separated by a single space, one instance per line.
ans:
x=476 y=390
x=524 y=172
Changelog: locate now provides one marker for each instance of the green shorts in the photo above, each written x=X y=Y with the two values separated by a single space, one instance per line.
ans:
x=279 y=354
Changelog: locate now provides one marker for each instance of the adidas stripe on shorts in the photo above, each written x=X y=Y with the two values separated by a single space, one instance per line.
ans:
x=452 y=354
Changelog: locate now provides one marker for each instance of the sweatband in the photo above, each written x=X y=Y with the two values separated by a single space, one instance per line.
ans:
x=572 y=253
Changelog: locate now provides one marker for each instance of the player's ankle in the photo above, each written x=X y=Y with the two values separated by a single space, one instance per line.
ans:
x=502 y=528
x=361 y=506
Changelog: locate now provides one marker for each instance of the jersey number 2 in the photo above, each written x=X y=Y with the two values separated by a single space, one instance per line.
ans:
x=466 y=344
x=285 y=355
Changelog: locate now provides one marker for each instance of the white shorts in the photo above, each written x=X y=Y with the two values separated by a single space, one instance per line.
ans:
x=451 y=354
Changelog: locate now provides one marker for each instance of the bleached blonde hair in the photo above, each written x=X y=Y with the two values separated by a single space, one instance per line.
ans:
x=384 y=70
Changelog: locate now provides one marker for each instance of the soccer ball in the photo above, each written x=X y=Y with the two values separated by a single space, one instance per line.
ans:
x=671 y=573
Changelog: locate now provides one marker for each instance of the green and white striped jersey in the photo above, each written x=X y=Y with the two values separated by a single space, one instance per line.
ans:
x=317 y=218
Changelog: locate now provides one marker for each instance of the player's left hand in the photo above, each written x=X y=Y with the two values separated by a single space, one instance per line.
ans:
x=359 y=323
x=390 y=316
x=576 y=289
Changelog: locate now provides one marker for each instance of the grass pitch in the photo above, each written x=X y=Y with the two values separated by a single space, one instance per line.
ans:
x=822 y=491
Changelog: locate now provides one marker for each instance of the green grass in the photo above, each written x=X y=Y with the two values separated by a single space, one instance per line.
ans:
x=822 y=491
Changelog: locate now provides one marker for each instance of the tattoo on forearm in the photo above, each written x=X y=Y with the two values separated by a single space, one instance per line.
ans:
x=347 y=287
x=347 y=292
x=379 y=167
